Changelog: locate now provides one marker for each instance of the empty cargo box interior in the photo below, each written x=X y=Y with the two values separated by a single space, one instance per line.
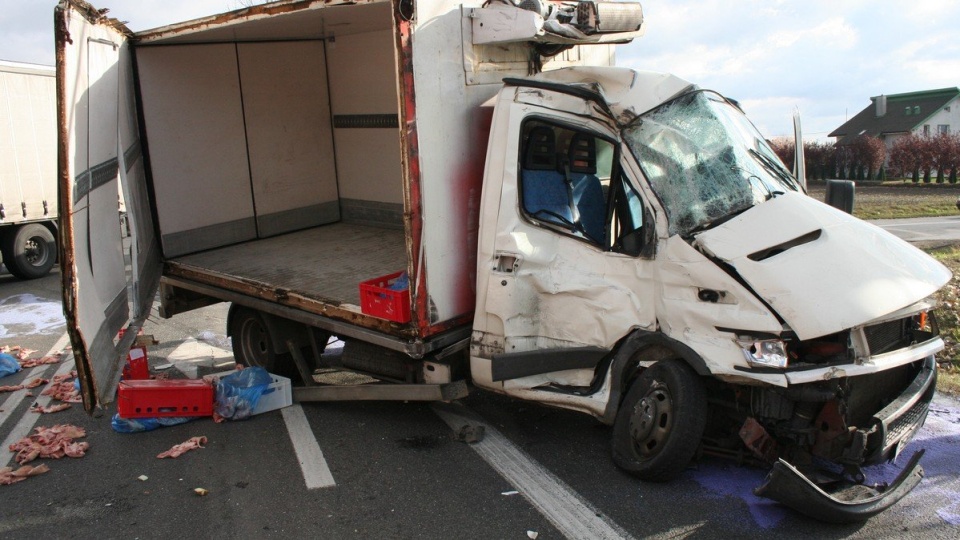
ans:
x=274 y=147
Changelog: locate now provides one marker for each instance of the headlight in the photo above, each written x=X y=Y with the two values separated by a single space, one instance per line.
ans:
x=765 y=353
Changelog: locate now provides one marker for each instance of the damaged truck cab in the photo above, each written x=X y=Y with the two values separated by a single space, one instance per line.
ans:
x=651 y=255
x=611 y=241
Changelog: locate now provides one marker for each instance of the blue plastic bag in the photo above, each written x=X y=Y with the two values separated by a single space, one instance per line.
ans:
x=136 y=425
x=8 y=365
x=239 y=392
x=401 y=283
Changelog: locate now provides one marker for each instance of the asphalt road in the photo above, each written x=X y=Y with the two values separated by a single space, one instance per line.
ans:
x=924 y=231
x=396 y=469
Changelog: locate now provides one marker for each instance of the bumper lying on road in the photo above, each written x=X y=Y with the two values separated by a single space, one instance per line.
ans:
x=891 y=429
x=788 y=486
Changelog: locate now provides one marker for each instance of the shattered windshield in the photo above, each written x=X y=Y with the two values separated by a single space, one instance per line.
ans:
x=705 y=160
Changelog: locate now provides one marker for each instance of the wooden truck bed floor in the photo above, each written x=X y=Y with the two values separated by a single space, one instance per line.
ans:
x=328 y=261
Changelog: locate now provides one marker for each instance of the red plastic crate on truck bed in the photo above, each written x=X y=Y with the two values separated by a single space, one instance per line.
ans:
x=155 y=399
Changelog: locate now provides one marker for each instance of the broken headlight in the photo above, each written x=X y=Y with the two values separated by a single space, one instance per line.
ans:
x=765 y=353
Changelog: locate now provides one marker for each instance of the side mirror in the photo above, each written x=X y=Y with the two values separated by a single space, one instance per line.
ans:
x=840 y=194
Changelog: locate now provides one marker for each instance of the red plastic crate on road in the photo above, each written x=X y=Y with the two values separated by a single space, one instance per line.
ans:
x=155 y=399
x=379 y=300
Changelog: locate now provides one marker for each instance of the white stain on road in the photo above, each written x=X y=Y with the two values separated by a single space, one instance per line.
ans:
x=26 y=314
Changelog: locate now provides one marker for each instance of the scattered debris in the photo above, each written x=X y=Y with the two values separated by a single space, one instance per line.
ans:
x=27 y=363
x=51 y=442
x=142 y=478
x=32 y=384
x=63 y=391
x=163 y=366
x=470 y=434
x=184 y=447
x=37 y=408
x=510 y=493
x=10 y=476
x=36 y=382
x=200 y=491
x=532 y=535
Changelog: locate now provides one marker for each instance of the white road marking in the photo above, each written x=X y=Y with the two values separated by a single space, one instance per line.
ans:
x=30 y=419
x=316 y=474
x=553 y=498
x=13 y=401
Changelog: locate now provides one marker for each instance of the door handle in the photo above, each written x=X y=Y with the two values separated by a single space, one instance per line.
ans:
x=506 y=263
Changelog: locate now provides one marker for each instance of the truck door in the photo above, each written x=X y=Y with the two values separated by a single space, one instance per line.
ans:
x=568 y=274
x=99 y=149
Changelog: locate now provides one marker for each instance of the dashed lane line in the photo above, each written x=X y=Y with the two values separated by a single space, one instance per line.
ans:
x=30 y=419
x=316 y=473
x=553 y=498
x=10 y=405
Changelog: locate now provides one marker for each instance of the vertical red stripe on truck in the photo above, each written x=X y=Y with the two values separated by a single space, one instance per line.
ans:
x=410 y=156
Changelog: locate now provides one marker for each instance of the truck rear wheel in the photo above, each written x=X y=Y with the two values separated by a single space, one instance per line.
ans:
x=30 y=251
x=251 y=341
x=660 y=423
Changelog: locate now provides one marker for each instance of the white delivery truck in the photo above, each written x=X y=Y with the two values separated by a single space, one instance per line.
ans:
x=28 y=168
x=467 y=191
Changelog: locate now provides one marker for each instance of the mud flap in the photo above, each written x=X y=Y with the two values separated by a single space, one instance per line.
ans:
x=788 y=486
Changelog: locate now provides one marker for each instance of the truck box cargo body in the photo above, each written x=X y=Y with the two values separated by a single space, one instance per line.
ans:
x=288 y=152
x=28 y=168
x=520 y=214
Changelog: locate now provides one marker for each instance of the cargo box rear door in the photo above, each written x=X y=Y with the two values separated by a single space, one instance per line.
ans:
x=101 y=165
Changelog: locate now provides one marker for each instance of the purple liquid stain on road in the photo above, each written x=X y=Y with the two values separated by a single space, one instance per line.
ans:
x=728 y=480
x=940 y=436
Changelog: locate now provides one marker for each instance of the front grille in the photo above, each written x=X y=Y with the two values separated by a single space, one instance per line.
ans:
x=905 y=423
x=888 y=336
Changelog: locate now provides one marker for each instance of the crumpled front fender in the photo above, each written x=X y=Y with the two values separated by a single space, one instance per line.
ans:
x=788 y=486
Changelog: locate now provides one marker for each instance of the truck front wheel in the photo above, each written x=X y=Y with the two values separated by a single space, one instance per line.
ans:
x=30 y=251
x=661 y=421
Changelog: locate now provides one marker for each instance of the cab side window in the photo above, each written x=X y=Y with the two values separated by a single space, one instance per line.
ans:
x=627 y=226
x=565 y=177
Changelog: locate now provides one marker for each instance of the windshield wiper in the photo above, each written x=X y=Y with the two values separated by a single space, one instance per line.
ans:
x=716 y=222
x=771 y=166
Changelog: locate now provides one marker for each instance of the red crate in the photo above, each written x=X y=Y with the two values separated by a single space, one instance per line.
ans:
x=378 y=300
x=155 y=399
x=137 y=366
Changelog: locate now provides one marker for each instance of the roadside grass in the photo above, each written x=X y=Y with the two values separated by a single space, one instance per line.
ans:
x=867 y=209
x=948 y=381
x=895 y=200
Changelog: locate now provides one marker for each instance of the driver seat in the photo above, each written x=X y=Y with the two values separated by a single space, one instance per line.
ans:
x=544 y=187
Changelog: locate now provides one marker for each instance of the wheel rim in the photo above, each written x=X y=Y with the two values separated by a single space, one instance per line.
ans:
x=255 y=344
x=651 y=421
x=36 y=251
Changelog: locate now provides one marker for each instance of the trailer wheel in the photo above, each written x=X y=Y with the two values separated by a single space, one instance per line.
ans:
x=660 y=423
x=30 y=251
x=251 y=341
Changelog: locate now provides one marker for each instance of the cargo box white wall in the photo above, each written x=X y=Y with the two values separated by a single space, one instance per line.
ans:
x=239 y=141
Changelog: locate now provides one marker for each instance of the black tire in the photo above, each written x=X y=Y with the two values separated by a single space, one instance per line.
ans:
x=660 y=423
x=30 y=251
x=251 y=340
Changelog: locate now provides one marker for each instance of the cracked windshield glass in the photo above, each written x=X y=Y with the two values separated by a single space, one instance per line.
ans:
x=705 y=160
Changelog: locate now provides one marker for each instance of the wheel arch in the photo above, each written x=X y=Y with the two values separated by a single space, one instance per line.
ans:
x=644 y=346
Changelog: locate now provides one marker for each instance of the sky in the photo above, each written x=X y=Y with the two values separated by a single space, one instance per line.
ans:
x=825 y=58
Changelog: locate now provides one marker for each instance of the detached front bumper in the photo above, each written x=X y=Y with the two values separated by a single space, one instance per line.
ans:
x=889 y=431
x=788 y=486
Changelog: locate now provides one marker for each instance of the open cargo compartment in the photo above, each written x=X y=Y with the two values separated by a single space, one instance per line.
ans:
x=276 y=155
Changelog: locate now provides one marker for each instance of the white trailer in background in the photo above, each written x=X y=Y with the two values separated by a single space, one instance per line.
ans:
x=28 y=168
